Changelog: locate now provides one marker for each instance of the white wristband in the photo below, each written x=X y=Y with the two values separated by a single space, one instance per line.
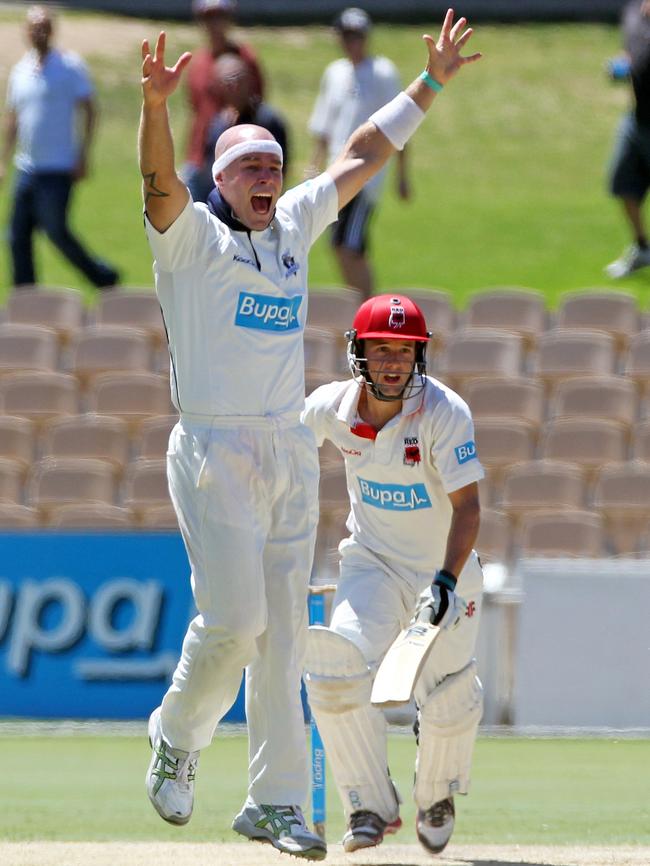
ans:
x=398 y=119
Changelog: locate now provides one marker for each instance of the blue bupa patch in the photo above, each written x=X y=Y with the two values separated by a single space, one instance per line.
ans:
x=394 y=497
x=465 y=452
x=268 y=313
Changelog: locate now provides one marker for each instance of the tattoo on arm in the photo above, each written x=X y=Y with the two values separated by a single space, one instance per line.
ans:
x=151 y=190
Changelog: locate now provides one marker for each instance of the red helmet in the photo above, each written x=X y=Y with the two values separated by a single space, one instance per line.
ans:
x=394 y=317
x=388 y=317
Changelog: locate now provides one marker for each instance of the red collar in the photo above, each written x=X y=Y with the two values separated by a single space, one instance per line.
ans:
x=365 y=431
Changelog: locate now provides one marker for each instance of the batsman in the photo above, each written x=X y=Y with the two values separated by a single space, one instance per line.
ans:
x=412 y=475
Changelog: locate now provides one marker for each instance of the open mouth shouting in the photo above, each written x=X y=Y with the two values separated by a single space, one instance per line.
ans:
x=261 y=203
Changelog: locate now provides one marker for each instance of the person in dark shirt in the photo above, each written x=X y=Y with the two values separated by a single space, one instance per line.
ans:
x=630 y=166
x=235 y=91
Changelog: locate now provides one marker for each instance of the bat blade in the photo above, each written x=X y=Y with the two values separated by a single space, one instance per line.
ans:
x=401 y=666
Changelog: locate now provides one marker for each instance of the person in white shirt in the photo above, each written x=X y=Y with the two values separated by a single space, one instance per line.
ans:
x=351 y=89
x=231 y=277
x=412 y=472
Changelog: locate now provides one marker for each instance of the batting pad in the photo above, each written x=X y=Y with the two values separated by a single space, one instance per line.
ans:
x=336 y=673
x=338 y=683
x=448 y=725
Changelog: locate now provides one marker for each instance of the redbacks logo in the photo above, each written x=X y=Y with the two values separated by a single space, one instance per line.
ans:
x=397 y=318
x=411 y=451
x=471 y=609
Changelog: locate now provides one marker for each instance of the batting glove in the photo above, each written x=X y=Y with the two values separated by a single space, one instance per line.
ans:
x=445 y=607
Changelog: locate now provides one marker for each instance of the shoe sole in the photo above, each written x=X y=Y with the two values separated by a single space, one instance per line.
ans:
x=316 y=853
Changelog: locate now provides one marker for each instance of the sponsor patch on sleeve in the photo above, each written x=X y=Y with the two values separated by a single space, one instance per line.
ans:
x=465 y=452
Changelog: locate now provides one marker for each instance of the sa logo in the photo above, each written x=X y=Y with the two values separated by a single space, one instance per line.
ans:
x=471 y=609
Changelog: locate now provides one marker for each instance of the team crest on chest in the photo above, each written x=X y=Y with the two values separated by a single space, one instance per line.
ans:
x=411 y=451
x=290 y=264
x=397 y=318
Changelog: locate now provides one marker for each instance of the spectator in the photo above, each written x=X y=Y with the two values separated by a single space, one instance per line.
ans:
x=216 y=17
x=233 y=84
x=351 y=89
x=48 y=91
x=630 y=168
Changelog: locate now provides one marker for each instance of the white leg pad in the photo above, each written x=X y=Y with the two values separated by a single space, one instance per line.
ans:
x=448 y=724
x=339 y=683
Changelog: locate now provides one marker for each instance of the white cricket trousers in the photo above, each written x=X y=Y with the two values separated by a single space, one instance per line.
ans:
x=246 y=494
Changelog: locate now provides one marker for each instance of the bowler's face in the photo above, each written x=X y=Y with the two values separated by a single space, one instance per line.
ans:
x=252 y=185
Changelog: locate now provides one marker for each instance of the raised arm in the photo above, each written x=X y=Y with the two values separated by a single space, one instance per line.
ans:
x=165 y=195
x=372 y=144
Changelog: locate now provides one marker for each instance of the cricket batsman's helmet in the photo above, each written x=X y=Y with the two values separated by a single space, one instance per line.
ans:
x=388 y=317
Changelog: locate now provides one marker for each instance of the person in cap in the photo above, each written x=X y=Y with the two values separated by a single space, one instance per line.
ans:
x=231 y=277
x=216 y=18
x=351 y=89
x=412 y=475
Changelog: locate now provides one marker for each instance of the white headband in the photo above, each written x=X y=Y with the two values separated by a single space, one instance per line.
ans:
x=242 y=149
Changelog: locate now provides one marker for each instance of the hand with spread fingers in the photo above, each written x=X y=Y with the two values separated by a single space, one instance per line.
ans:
x=160 y=81
x=445 y=58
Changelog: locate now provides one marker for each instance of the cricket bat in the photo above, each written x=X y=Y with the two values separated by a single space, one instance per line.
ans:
x=401 y=666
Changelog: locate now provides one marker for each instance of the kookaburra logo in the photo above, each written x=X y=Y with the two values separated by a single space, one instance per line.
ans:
x=397 y=318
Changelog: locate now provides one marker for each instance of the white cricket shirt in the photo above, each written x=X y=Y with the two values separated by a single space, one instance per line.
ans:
x=347 y=97
x=398 y=482
x=235 y=332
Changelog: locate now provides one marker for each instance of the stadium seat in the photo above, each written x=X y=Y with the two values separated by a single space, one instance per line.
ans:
x=522 y=311
x=109 y=348
x=641 y=442
x=154 y=436
x=622 y=496
x=146 y=485
x=500 y=443
x=55 y=481
x=332 y=309
x=61 y=310
x=611 y=397
x=571 y=534
x=12 y=473
x=139 y=310
x=322 y=354
x=102 y=437
x=158 y=517
x=588 y=442
x=90 y=515
x=564 y=353
x=17 y=439
x=494 y=541
x=132 y=396
x=39 y=395
x=506 y=397
x=637 y=361
x=27 y=347
x=439 y=314
x=616 y=313
x=331 y=530
x=333 y=491
x=476 y=353
x=539 y=485
x=329 y=456
x=13 y=516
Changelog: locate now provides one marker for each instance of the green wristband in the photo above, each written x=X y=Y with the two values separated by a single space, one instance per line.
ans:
x=431 y=82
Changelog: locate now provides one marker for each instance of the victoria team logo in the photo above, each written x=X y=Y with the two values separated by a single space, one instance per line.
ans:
x=394 y=497
x=292 y=267
x=268 y=313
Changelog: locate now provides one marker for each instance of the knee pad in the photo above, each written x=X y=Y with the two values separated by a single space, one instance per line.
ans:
x=337 y=675
x=448 y=722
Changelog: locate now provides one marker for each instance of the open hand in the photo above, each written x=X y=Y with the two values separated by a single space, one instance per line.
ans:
x=160 y=81
x=444 y=55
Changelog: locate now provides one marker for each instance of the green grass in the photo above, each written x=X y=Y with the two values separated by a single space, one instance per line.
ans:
x=509 y=167
x=523 y=791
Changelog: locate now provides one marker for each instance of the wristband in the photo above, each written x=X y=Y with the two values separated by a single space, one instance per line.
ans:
x=445 y=578
x=398 y=119
x=431 y=82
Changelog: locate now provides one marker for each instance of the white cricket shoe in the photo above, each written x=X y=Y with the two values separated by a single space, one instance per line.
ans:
x=170 y=777
x=435 y=825
x=283 y=827
x=632 y=259
x=365 y=830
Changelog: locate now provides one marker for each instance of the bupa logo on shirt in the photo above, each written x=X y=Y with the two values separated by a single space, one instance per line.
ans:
x=465 y=452
x=268 y=313
x=394 y=497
